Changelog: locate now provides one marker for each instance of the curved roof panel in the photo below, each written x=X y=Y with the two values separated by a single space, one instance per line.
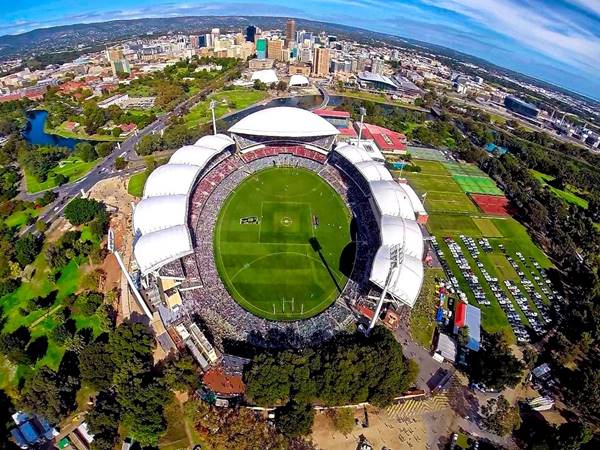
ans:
x=158 y=213
x=372 y=171
x=396 y=230
x=298 y=80
x=352 y=153
x=193 y=155
x=413 y=197
x=171 y=179
x=267 y=76
x=284 y=121
x=153 y=250
x=406 y=279
x=391 y=199
x=217 y=141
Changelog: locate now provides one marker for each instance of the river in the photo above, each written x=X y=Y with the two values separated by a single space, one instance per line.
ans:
x=34 y=132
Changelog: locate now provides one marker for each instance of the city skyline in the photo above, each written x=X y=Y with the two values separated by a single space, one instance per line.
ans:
x=555 y=41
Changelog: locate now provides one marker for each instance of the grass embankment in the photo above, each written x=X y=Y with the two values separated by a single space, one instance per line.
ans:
x=569 y=195
x=20 y=218
x=376 y=98
x=422 y=317
x=136 y=183
x=72 y=167
x=227 y=102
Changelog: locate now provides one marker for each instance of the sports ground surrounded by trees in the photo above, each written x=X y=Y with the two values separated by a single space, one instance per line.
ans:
x=279 y=244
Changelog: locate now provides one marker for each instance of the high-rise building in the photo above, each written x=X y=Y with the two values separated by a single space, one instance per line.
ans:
x=250 y=33
x=275 y=49
x=306 y=55
x=377 y=66
x=290 y=32
x=114 y=54
x=209 y=40
x=215 y=34
x=321 y=62
x=261 y=48
x=194 y=41
x=202 y=41
x=120 y=66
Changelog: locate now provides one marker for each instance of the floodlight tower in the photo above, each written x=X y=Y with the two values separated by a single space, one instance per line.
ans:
x=396 y=255
x=132 y=286
x=212 y=106
x=363 y=112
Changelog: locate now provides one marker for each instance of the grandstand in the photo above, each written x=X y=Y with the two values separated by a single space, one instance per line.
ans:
x=175 y=223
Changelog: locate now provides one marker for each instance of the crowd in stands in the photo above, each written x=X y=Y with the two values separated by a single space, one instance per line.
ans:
x=210 y=300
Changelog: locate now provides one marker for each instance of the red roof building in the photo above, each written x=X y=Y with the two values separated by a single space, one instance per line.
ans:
x=128 y=127
x=71 y=86
x=222 y=383
x=339 y=119
x=387 y=140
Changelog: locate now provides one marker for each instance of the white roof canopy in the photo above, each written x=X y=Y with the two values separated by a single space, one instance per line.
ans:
x=415 y=200
x=406 y=279
x=154 y=250
x=298 y=80
x=267 y=76
x=193 y=155
x=158 y=213
x=407 y=233
x=372 y=171
x=217 y=141
x=284 y=121
x=171 y=179
x=391 y=200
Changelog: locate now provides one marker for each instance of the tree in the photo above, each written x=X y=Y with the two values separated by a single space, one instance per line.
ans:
x=89 y=302
x=116 y=132
x=572 y=435
x=83 y=210
x=49 y=394
x=103 y=149
x=295 y=419
x=27 y=248
x=499 y=417
x=60 y=179
x=41 y=226
x=120 y=163
x=463 y=336
x=103 y=421
x=181 y=374
x=13 y=345
x=148 y=144
x=96 y=366
x=496 y=367
x=85 y=151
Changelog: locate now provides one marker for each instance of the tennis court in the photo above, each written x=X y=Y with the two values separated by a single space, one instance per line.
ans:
x=464 y=169
x=496 y=205
x=426 y=153
x=477 y=184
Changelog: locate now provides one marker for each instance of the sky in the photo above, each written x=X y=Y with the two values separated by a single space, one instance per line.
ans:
x=554 y=40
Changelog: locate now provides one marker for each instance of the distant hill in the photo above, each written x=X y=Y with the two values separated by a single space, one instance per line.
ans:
x=93 y=35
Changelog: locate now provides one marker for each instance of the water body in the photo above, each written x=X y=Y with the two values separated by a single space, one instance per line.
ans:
x=34 y=132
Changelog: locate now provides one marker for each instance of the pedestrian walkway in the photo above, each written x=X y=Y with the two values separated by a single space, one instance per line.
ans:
x=414 y=407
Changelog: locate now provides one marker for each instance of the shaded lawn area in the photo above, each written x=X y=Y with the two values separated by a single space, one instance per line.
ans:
x=376 y=98
x=568 y=195
x=81 y=134
x=20 y=218
x=72 y=167
x=422 y=317
x=136 y=183
x=227 y=102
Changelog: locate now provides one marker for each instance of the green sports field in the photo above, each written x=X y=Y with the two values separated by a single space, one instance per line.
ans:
x=282 y=244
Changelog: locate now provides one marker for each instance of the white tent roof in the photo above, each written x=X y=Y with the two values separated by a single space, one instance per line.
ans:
x=193 y=155
x=396 y=230
x=352 y=153
x=372 y=171
x=298 y=80
x=415 y=200
x=217 y=141
x=406 y=280
x=391 y=199
x=284 y=121
x=153 y=250
x=267 y=76
x=171 y=179
x=158 y=213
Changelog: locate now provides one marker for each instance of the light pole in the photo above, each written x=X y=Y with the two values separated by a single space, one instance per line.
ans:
x=212 y=106
x=363 y=111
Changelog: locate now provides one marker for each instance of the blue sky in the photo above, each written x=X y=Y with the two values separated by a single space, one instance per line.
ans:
x=555 y=40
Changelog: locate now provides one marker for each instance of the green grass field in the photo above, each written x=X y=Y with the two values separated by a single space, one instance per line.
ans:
x=135 y=185
x=270 y=266
x=72 y=167
x=422 y=317
x=20 y=218
x=477 y=185
x=227 y=102
x=567 y=195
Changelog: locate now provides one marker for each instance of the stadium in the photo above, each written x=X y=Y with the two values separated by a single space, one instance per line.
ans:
x=276 y=233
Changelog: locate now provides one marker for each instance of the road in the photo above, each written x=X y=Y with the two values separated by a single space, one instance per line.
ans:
x=106 y=168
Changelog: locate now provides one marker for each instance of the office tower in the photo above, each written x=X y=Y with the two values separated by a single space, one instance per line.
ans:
x=250 y=33
x=306 y=55
x=120 y=66
x=114 y=54
x=261 y=48
x=194 y=41
x=290 y=32
x=377 y=66
x=209 y=40
x=321 y=62
x=275 y=49
x=202 y=41
x=215 y=34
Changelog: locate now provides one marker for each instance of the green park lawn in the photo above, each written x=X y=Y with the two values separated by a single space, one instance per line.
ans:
x=136 y=183
x=376 y=98
x=568 y=195
x=227 y=102
x=20 y=218
x=81 y=134
x=72 y=167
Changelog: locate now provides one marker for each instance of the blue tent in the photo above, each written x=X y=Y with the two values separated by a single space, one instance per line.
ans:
x=439 y=316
